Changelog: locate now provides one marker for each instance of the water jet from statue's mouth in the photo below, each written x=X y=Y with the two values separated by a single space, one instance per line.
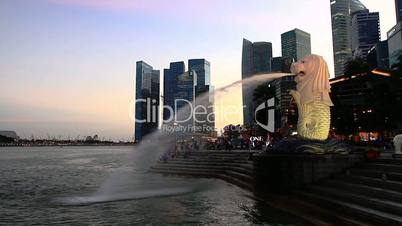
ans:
x=301 y=73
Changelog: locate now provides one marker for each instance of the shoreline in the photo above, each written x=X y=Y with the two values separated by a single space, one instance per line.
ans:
x=64 y=145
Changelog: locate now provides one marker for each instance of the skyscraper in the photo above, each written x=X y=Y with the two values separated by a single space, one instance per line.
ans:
x=203 y=91
x=256 y=58
x=394 y=43
x=296 y=44
x=170 y=84
x=185 y=89
x=146 y=95
x=365 y=32
x=398 y=8
x=282 y=87
x=378 y=57
x=203 y=69
x=276 y=64
x=341 y=11
x=183 y=100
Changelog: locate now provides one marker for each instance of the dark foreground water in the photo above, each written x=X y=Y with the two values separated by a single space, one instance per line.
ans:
x=55 y=186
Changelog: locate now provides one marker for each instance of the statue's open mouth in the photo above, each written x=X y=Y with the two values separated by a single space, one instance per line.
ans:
x=301 y=73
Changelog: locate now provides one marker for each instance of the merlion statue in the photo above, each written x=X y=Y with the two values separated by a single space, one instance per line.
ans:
x=313 y=103
x=312 y=97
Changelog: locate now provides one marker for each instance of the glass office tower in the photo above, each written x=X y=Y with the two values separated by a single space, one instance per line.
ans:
x=146 y=94
x=170 y=84
x=365 y=32
x=296 y=44
x=341 y=11
x=256 y=59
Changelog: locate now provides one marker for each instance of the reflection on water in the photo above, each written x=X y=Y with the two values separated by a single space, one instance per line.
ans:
x=136 y=194
x=33 y=180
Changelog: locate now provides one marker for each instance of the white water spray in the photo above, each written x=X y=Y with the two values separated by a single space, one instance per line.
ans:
x=140 y=183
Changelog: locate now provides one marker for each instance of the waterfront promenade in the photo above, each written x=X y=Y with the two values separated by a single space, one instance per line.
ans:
x=363 y=192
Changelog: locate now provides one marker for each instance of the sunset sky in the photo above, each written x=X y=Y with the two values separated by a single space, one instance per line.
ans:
x=67 y=67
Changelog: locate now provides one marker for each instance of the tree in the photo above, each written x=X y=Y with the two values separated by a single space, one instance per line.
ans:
x=397 y=68
x=95 y=137
x=356 y=67
x=4 y=139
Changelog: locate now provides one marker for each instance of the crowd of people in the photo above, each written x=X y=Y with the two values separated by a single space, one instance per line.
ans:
x=181 y=146
x=248 y=143
x=185 y=146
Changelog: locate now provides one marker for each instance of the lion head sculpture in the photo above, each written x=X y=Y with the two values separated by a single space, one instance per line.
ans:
x=312 y=79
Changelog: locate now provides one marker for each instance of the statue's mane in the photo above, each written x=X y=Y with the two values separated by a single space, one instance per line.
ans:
x=315 y=84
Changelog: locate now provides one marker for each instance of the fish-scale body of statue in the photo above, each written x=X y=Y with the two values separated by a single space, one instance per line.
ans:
x=312 y=97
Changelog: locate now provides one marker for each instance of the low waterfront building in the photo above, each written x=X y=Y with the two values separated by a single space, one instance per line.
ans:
x=369 y=103
x=9 y=135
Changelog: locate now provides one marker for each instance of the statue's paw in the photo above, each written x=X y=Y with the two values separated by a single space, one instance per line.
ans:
x=338 y=147
x=314 y=148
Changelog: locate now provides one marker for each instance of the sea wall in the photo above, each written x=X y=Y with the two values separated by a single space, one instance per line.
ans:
x=284 y=172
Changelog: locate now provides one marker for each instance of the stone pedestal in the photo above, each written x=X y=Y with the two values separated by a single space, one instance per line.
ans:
x=284 y=172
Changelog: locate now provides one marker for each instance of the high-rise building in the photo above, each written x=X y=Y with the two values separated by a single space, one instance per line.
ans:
x=184 y=97
x=170 y=84
x=341 y=11
x=282 y=87
x=256 y=59
x=377 y=56
x=276 y=64
x=147 y=100
x=394 y=43
x=203 y=92
x=365 y=32
x=296 y=44
x=203 y=69
x=185 y=89
x=398 y=8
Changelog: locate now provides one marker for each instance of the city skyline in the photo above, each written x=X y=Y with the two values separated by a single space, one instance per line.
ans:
x=69 y=66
